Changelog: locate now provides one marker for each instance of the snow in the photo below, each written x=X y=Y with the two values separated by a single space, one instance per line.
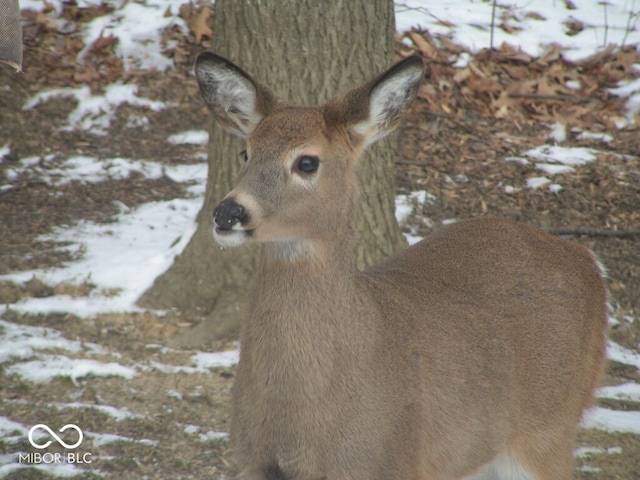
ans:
x=537 y=182
x=125 y=256
x=19 y=342
x=101 y=439
x=411 y=205
x=589 y=451
x=468 y=23
x=626 y=391
x=612 y=420
x=572 y=156
x=62 y=470
x=12 y=432
x=553 y=169
x=203 y=360
x=211 y=435
x=118 y=414
x=4 y=150
x=190 y=137
x=139 y=42
x=558 y=132
x=622 y=355
x=94 y=113
x=51 y=366
x=631 y=91
x=83 y=169
x=602 y=137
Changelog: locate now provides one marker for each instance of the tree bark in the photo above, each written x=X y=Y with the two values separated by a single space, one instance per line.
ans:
x=306 y=51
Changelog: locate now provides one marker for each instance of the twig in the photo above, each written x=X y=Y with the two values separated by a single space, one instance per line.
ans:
x=411 y=163
x=540 y=96
x=450 y=118
x=606 y=23
x=446 y=146
x=493 y=23
x=594 y=232
x=629 y=26
x=404 y=7
x=438 y=114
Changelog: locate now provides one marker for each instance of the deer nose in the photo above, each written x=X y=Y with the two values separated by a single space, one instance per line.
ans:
x=227 y=214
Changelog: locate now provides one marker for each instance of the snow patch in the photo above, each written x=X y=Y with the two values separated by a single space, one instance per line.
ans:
x=572 y=156
x=48 y=367
x=94 y=113
x=620 y=354
x=612 y=420
x=190 y=137
x=537 y=182
x=468 y=24
x=204 y=361
x=626 y=391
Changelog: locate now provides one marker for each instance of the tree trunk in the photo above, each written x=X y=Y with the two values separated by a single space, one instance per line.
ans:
x=306 y=51
x=11 y=34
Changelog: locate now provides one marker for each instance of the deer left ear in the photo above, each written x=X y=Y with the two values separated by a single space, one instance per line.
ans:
x=389 y=97
x=236 y=100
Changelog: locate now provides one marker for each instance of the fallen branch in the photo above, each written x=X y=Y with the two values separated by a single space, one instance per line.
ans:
x=561 y=98
x=594 y=232
x=408 y=162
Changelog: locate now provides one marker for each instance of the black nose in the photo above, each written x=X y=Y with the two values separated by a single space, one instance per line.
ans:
x=227 y=214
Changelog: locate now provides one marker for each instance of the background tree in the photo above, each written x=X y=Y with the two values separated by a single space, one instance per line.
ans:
x=306 y=51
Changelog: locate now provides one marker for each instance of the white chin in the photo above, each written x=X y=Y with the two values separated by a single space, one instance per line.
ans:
x=229 y=239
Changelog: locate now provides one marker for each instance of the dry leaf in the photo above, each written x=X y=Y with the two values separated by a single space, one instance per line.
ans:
x=89 y=75
x=46 y=22
x=103 y=44
x=461 y=75
x=514 y=55
x=48 y=6
x=184 y=12
x=425 y=47
x=516 y=72
x=509 y=28
x=445 y=23
x=535 y=16
x=476 y=70
x=574 y=26
x=199 y=25
x=447 y=44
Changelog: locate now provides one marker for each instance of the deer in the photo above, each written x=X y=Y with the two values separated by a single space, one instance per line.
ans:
x=469 y=355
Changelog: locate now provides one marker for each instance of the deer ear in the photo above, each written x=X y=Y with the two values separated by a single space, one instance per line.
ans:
x=376 y=108
x=237 y=101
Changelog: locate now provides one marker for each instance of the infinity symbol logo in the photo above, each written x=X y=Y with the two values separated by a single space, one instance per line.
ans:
x=53 y=434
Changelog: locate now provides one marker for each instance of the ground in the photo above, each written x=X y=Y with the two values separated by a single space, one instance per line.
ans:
x=463 y=143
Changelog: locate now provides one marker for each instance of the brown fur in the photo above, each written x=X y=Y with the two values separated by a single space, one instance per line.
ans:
x=476 y=349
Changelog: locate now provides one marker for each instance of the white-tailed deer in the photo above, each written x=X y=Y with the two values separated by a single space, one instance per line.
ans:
x=470 y=355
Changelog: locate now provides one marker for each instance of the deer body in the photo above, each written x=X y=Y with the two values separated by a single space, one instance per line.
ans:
x=470 y=355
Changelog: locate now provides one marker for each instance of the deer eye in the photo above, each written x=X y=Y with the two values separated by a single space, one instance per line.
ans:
x=244 y=155
x=307 y=164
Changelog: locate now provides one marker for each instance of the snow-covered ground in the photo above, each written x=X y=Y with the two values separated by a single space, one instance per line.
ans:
x=126 y=256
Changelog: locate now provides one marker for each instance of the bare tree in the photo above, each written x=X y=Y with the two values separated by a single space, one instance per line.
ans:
x=307 y=50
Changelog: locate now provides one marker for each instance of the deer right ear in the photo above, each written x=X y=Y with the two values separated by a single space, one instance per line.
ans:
x=237 y=101
x=376 y=108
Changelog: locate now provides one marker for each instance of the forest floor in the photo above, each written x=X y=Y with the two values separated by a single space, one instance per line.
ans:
x=472 y=141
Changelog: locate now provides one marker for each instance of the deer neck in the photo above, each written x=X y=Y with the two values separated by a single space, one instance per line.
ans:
x=302 y=318
x=304 y=280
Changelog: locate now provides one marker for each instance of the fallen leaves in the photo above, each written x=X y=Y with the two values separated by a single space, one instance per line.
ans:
x=198 y=20
x=509 y=83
